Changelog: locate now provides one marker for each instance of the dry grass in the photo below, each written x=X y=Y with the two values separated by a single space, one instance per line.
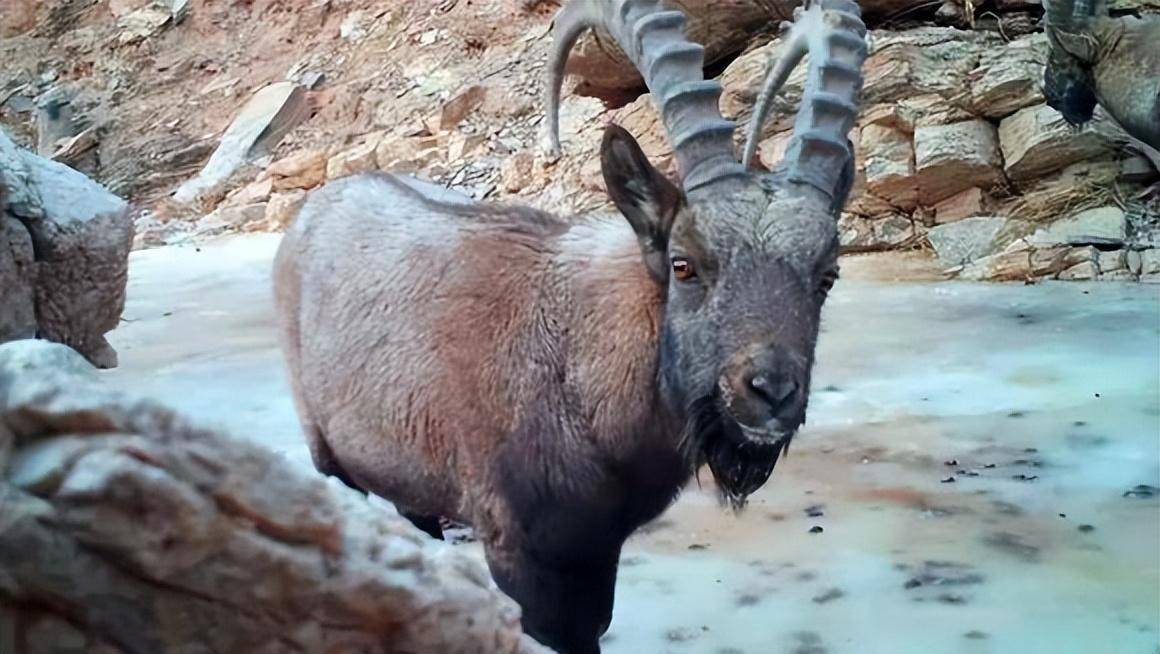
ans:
x=1067 y=195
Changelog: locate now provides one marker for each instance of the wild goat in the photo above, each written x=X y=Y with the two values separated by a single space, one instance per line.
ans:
x=553 y=381
x=1112 y=61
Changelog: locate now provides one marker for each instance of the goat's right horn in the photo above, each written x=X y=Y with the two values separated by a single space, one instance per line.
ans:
x=653 y=39
x=831 y=31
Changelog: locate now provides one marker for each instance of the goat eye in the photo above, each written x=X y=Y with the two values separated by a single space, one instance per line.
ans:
x=683 y=269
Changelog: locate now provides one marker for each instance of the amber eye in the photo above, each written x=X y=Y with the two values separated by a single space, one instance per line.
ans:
x=683 y=269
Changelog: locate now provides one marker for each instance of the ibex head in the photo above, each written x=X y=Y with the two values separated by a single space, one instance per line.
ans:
x=1067 y=79
x=747 y=257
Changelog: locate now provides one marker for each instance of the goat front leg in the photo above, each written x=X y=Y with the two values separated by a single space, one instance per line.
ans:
x=566 y=602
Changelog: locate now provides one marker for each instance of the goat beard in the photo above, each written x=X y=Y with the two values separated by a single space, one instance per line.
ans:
x=739 y=465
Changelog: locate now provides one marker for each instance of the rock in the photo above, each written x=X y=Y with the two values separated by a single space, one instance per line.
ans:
x=357 y=159
x=18 y=17
x=888 y=160
x=1081 y=271
x=1137 y=169
x=282 y=208
x=1008 y=78
x=352 y=27
x=305 y=169
x=461 y=146
x=179 y=9
x=953 y=158
x=772 y=150
x=1133 y=261
x=259 y=126
x=723 y=28
x=407 y=154
x=861 y=234
x=17 y=278
x=241 y=217
x=244 y=551
x=969 y=203
x=1150 y=262
x=1100 y=226
x=54 y=120
x=140 y=24
x=454 y=111
x=1112 y=260
x=120 y=8
x=1020 y=261
x=516 y=171
x=1036 y=141
x=81 y=235
x=256 y=191
x=969 y=239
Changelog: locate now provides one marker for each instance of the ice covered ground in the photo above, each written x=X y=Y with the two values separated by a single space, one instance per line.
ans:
x=1041 y=402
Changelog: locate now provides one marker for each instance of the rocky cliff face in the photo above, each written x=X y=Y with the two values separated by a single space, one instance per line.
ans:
x=242 y=107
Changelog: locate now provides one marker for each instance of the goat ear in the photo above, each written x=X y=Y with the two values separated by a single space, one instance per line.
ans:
x=648 y=201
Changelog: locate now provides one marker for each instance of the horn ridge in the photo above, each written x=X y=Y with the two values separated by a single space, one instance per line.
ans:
x=653 y=38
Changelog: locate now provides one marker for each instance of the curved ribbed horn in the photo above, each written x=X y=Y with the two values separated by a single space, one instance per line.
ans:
x=654 y=40
x=831 y=31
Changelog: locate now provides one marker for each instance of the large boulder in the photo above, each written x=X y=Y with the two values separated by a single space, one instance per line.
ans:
x=126 y=528
x=64 y=247
x=953 y=158
x=1037 y=141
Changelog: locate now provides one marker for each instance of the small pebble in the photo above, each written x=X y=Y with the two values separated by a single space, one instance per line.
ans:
x=1086 y=528
x=975 y=634
x=814 y=511
x=1063 y=515
x=988 y=465
x=949 y=480
x=1023 y=477
x=698 y=546
x=816 y=529
x=952 y=462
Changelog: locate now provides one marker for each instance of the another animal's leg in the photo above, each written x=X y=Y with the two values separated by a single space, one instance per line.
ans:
x=566 y=601
x=427 y=523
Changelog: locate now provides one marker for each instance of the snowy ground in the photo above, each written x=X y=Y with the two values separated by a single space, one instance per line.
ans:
x=1057 y=383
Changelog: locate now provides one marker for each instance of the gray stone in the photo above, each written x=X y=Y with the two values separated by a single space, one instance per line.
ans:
x=970 y=239
x=1099 y=226
x=82 y=235
x=1112 y=260
x=1081 y=271
x=1036 y=141
x=1150 y=262
x=1009 y=78
x=1135 y=261
x=953 y=158
x=268 y=116
x=17 y=279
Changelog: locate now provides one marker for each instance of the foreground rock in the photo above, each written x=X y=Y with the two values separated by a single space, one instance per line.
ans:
x=128 y=529
x=64 y=247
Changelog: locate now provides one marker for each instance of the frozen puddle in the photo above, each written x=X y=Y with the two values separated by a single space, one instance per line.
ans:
x=1046 y=399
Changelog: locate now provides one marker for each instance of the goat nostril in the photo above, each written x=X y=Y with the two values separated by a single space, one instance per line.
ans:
x=775 y=392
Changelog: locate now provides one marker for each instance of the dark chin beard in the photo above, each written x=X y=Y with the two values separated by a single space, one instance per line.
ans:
x=739 y=465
